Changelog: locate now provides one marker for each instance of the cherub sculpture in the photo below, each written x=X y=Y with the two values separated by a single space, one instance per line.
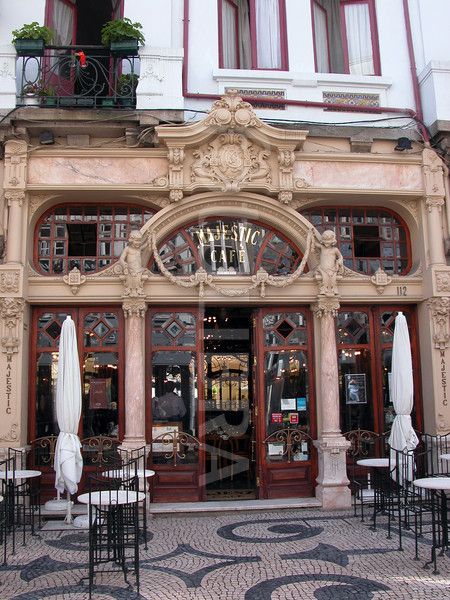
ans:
x=330 y=266
x=133 y=272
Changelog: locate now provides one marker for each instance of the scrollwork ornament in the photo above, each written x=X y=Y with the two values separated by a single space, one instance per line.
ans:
x=12 y=435
x=232 y=111
x=440 y=315
x=442 y=424
x=442 y=279
x=435 y=202
x=12 y=196
x=11 y=310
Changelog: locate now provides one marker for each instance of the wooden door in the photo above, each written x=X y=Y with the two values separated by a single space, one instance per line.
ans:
x=287 y=464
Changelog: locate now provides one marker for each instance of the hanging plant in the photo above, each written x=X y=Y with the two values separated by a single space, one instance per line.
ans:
x=31 y=39
x=122 y=36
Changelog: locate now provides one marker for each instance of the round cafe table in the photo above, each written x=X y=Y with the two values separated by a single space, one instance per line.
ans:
x=438 y=487
x=377 y=466
x=20 y=474
x=445 y=457
x=111 y=498
x=373 y=463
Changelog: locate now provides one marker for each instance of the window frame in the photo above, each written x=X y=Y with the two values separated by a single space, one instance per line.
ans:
x=344 y=41
x=253 y=41
x=314 y=3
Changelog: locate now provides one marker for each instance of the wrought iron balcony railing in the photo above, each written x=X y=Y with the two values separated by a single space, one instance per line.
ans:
x=75 y=76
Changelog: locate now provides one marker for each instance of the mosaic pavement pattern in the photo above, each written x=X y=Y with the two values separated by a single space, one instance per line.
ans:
x=295 y=554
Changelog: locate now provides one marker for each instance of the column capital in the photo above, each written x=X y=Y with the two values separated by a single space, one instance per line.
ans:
x=326 y=307
x=435 y=202
x=14 y=196
x=134 y=307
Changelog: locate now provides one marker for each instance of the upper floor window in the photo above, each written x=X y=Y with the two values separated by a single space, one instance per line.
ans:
x=345 y=37
x=252 y=34
x=88 y=237
x=369 y=238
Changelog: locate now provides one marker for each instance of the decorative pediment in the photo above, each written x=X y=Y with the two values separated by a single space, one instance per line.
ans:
x=231 y=150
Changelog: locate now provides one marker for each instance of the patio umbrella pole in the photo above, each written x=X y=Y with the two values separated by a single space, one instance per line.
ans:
x=68 y=518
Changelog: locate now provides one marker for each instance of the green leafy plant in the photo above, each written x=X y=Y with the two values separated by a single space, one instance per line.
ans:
x=33 y=31
x=46 y=90
x=30 y=89
x=127 y=84
x=121 y=29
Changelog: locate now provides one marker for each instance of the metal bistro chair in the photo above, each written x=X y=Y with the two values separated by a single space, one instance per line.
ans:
x=23 y=496
x=437 y=445
x=134 y=463
x=363 y=444
x=113 y=524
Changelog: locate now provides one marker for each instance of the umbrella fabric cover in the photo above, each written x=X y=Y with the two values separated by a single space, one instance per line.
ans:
x=403 y=436
x=68 y=461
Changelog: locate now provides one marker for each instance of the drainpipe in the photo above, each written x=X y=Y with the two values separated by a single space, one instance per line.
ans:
x=412 y=61
x=407 y=112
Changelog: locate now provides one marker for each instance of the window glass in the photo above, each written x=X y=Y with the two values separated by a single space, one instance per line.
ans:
x=174 y=400
x=88 y=237
x=368 y=238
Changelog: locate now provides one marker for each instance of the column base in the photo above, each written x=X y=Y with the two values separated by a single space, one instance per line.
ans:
x=332 y=489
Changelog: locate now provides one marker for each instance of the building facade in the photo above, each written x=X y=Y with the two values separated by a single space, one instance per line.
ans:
x=233 y=233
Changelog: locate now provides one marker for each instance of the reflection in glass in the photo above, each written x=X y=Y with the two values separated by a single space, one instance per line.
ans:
x=100 y=394
x=46 y=375
x=174 y=400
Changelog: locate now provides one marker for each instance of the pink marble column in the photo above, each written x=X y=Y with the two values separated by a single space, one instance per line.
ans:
x=134 y=310
x=15 y=200
x=332 y=482
x=434 y=220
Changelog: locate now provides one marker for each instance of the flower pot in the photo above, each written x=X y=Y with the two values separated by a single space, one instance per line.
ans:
x=30 y=100
x=127 y=102
x=29 y=47
x=49 y=101
x=124 y=48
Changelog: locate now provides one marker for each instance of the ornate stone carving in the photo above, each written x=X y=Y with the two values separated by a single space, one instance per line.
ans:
x=12 y=435
x=232 y=111
x=134 y=274
x=326 y=307
x=331 y=265
x=442 y=282
x=14 y=196
x=300 y=183
x=285 y=197
x=35 y=201
x=74 y=280
x=433 y=173
x=230 y=160
x=5 y=71
x=440 y=315
x=434 y=202
x=15 y=163
x=380 y=280
x=161 y=182
x=9 y=282
x=176 y=195
x=11 y=310
x=412 y=207
x=134 y=307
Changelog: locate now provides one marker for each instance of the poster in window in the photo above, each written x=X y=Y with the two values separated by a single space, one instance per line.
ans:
x=355 y=388
x=100 y=394
x=288 y=404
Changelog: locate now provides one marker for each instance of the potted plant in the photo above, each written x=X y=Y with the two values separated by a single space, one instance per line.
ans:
x=122 y=36
x=30 y=94
x=31 y=39
x=48 y=95
x=126 y=89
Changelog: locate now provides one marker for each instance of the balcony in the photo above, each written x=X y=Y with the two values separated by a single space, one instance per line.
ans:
x=75 y=76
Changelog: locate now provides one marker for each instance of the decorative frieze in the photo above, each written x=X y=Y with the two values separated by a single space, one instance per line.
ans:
x=440 y=316
x=74 y=280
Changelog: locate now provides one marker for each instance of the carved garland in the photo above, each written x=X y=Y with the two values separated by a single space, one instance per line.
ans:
x=261 y=278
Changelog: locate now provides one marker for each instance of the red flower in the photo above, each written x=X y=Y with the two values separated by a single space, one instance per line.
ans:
x=82 y=58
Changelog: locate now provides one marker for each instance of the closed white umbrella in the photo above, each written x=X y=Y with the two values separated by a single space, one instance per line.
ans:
x=68 y=461
x=403 y=437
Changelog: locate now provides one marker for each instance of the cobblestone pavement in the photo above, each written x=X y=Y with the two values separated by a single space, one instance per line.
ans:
x=250 y=556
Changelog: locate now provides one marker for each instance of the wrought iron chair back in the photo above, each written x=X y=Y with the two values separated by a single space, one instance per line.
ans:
x=437 y=445
x=175 y=447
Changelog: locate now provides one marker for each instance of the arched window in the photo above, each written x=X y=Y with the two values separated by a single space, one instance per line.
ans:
x=228 y=246
x=369 y=238
x=88 y=237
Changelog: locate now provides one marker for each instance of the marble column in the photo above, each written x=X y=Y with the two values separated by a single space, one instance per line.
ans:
x=15 y=200
x=434 y=221
x=134 y=310
x=332 y=482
